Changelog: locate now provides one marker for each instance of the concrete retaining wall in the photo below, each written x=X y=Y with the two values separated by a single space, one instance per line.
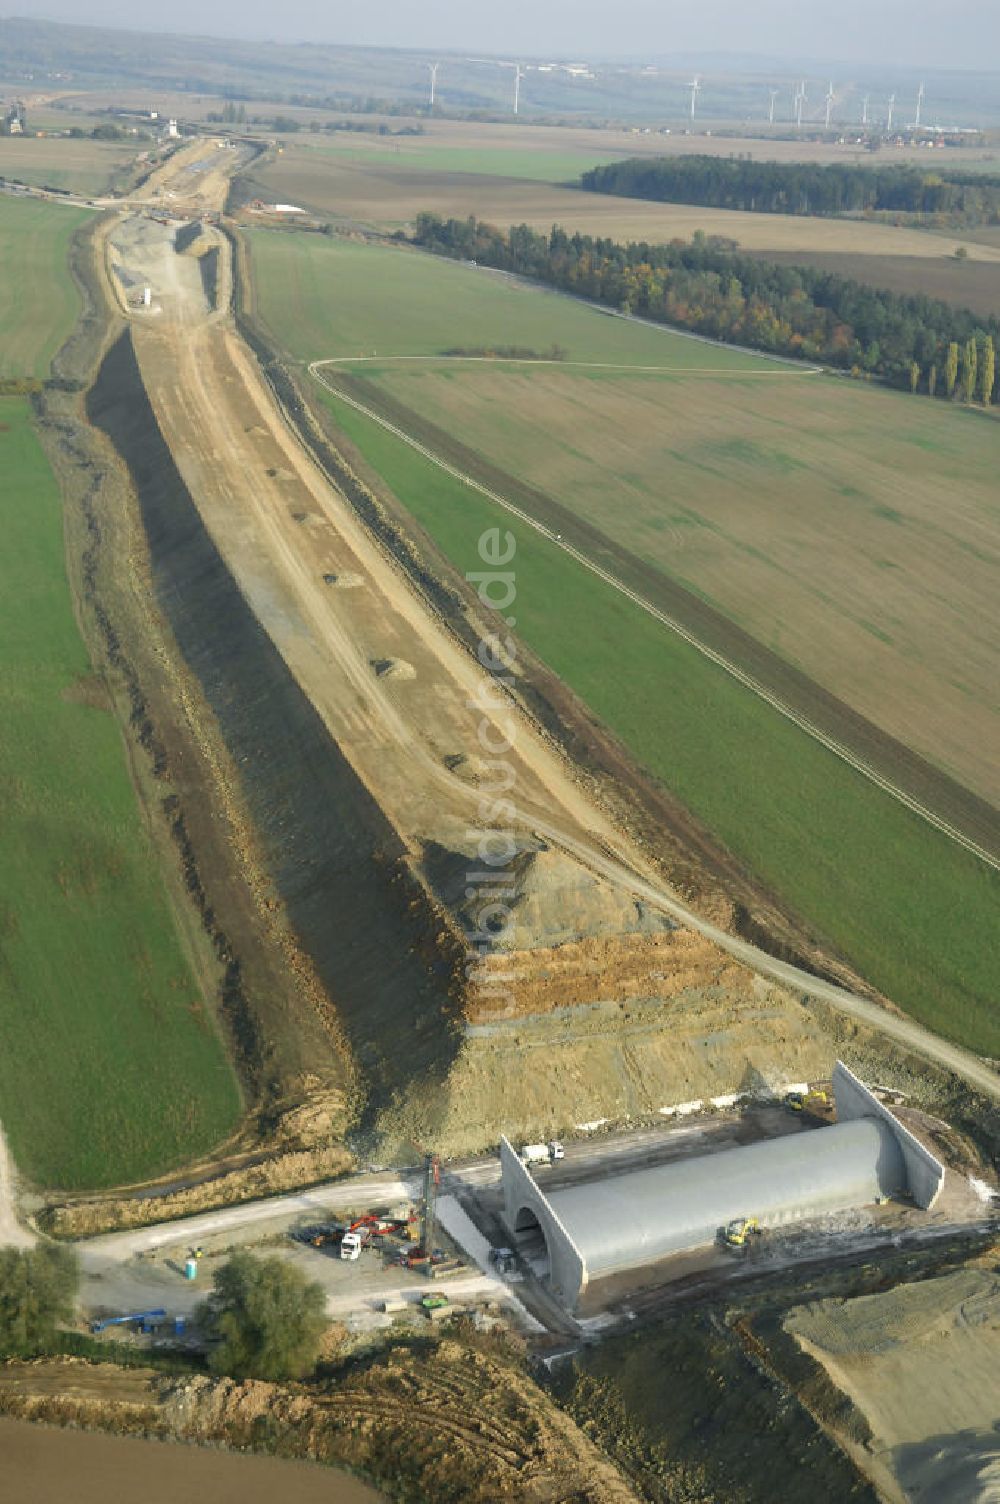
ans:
x=925 y=1174
x=569 y=1274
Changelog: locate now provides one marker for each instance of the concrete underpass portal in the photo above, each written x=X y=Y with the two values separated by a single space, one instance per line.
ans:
x=626 y=1221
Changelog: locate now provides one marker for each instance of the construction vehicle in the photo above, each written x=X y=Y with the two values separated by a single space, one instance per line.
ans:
x=351 y=1245
x=738 y=1233
x=145 y=1320
x=318 y=1237
x=803 y=1101
x=542 y=1154
x=361 y=1233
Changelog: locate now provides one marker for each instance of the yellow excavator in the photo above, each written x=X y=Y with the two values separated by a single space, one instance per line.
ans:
x=737 y=1234
x=802 y=1101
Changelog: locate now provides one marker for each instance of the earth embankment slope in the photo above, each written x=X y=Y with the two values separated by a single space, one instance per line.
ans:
x=919 y=1362
x=358 y=724
x=335 y=862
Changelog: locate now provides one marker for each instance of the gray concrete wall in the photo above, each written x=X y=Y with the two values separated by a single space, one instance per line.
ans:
x=925 y=1174
x=568 y=1268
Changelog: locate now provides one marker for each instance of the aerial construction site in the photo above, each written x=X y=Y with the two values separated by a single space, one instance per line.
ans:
x=526 y=1067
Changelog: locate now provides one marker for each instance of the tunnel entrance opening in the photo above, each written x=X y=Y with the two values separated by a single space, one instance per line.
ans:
x=532 y=1244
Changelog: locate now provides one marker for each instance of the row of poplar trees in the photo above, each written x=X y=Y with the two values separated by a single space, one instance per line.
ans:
x=969 y=373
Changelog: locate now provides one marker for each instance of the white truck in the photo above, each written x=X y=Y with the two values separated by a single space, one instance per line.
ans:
x=542 y=1154
x=351 y=1245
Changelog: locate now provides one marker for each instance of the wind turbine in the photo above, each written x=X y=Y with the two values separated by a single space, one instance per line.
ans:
x=830 y=97
x=770 y=109
x=800 y=99
x=892 y=106
x=864 y=110
x=520 y=71
x=920 y=105
x=695 y=87
x=432 y=69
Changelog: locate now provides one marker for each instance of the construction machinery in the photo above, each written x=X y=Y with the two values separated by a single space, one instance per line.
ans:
x=432 y=1181
x=542 y=1154
x=738 y=1233
x=503 y=1260
x=363 y=1230
x=807 y=1101
x=146 y=1321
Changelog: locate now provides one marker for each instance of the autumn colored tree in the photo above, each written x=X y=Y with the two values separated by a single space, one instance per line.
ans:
x=987 y=371
x=951 y=369
x=970 y=364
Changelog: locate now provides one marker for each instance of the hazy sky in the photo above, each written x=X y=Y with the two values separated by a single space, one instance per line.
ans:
x=943 y=33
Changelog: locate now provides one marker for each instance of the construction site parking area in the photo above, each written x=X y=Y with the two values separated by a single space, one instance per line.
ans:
x=706 y=526
x=390 y=1282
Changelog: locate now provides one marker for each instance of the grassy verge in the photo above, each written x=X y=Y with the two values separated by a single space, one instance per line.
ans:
x=912 y=912
x=38 y=302
x=111 y=1068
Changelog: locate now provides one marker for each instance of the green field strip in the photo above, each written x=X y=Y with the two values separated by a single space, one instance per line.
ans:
x=38 y=302
x=112 y=1068
x=321 y=288
x=528 y=165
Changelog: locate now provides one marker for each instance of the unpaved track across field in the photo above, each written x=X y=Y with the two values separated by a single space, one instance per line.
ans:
x=12 y=1232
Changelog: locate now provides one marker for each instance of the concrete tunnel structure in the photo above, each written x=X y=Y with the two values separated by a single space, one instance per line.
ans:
x=608 y=1226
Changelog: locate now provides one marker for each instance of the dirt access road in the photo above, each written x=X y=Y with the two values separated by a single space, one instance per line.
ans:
x=411 y=710
x=12 y=1232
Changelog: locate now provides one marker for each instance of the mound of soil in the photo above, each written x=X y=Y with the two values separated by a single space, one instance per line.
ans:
x=462 y=1421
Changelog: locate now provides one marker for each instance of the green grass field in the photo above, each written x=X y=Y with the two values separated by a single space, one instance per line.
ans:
x=80 y=166
x=809 y=510
x=323 y=297
x=478 y=161
x=38 y=302
x=912 y=911
x=111 y=1068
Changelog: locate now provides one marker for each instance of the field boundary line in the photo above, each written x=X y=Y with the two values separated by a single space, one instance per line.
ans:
x=746 y=680
x=579 y=365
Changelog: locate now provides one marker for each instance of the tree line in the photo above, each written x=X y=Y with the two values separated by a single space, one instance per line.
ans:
x=801 y=187
x=911 y=342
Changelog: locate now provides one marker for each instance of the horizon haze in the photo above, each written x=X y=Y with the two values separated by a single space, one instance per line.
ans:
x=893 y=34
